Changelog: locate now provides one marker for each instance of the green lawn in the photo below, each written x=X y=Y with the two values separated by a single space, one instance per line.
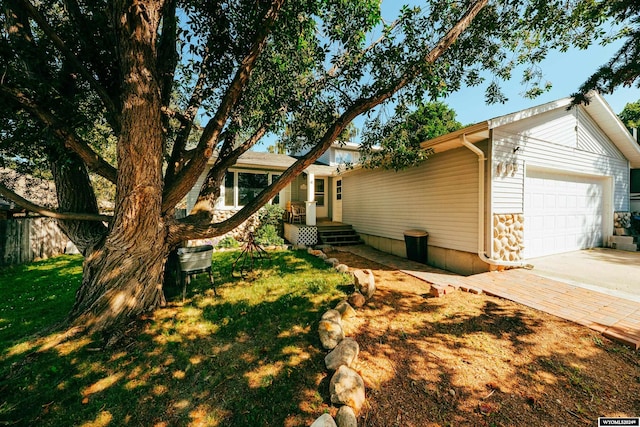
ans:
x=249 y=357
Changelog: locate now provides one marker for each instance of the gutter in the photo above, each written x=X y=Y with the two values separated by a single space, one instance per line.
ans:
x=482 y=225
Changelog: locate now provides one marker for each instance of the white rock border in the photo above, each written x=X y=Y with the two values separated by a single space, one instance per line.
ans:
x=346 y=416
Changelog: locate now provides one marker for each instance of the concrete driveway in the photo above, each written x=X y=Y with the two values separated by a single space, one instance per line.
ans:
x=609 y=271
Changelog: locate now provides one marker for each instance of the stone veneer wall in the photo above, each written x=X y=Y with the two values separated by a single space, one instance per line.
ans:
x=508 y=237
x=621 y=220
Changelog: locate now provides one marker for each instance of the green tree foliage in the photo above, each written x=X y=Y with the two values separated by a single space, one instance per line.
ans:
x=349 y=133
x=78 y=74
x=623 y=69
x=395 y=144
x=630 y=115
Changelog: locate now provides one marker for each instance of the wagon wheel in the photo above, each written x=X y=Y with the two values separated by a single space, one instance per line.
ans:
x=252 y=253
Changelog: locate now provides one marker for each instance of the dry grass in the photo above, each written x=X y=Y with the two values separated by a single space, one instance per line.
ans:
x=475 y=360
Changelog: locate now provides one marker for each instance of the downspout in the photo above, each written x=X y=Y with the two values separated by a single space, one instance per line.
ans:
x=482 y=225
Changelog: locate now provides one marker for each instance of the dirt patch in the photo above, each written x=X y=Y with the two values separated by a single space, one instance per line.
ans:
x=467 y=359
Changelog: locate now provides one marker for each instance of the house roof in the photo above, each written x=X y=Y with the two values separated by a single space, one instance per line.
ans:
x=271 y=161
x=598 y=109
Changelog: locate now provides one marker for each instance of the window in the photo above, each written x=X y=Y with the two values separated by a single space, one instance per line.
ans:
x=347 y=157
x=339 y=189
x=229 y=189
x=276 y=199
x=242 y=187
x=319 y=196
x=250 y=185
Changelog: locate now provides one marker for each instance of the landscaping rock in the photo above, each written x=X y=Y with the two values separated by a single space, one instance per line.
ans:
x=365 y=282
x=333 y=315
x=345 y=310
x=347 y=388
x=322 y=255
x=324 y=420
x=342 y=268
x=332 y=261
x=345 y=354
x=357 y=300
x=346 y=417
x=330 y=333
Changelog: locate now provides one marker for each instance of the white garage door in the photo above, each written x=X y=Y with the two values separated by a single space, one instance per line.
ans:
x=562 y=213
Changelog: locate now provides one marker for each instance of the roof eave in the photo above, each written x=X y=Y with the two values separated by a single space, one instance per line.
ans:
x=474 y=133
x=611 y=124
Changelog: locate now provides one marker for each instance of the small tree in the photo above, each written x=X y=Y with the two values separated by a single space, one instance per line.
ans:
x=630 y=115
x=396 y=143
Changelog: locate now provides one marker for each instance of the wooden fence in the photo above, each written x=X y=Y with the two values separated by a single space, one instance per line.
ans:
x=27 y=239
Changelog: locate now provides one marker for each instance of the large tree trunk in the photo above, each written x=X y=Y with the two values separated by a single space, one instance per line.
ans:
x=119 y=285
x=75 y=194
x=123 y=277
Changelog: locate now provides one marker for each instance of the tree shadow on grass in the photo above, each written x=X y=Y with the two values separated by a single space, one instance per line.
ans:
x=249 y=357
x=252 y=357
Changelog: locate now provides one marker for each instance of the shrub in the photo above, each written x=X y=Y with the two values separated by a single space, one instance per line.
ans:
x=268 y=235
x=228 y=242
x=270 y=230
x=271 y=215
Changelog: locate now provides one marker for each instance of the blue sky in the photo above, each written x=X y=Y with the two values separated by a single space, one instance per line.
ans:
x=566 y=72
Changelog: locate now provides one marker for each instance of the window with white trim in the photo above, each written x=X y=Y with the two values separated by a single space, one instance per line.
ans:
x=240 y=187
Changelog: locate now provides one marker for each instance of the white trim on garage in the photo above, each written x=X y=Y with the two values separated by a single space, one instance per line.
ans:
x=565 y=211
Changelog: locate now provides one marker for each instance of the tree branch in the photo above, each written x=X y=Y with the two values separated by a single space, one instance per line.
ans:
x=167 y=51
x=93 y=161
x=21 y=201
x=178 y=159
x=342 y=59
x=195 y=226
x=187 y=177
x=210 y=189
x=59 y=43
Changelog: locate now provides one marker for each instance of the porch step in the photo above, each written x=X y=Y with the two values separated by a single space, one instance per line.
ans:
x=338 y=235
x=624 y=243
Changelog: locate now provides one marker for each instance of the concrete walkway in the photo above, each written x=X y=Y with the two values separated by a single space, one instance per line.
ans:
x=603 y=270
x=615 y=317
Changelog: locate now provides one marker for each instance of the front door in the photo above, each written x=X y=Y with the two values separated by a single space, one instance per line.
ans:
x=321 y=198
x=337 y=199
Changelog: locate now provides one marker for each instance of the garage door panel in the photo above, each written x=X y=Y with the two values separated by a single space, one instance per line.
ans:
x=562 y=213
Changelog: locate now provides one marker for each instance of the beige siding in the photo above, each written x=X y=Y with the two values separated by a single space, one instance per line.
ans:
x=440 y=196
x=549 y=146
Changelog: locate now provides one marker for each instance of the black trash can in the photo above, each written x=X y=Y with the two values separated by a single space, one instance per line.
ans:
x=416 y=243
